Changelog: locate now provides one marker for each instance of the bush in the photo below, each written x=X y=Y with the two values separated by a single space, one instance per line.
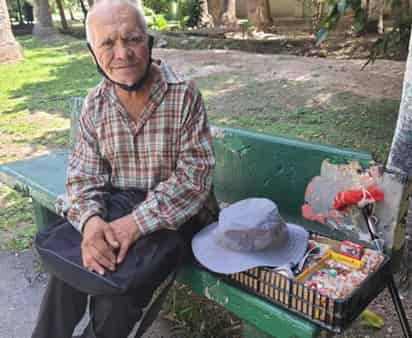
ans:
x=190 y=11
x=185 y=12
x=154 y=21
x=158 y=6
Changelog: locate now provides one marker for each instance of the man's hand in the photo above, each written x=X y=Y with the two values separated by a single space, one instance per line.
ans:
x=98 y=246
x=127 y=232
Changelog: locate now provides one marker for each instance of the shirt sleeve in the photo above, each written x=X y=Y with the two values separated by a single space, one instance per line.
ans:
x=87 y=175
x=177 y=199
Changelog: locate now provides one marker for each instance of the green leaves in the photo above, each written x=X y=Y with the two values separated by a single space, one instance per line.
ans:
x=394 y=42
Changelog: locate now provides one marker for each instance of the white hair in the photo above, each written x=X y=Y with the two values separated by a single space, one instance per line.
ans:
x=134 y=4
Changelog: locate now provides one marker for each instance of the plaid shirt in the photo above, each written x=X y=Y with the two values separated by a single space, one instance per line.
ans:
x=167 y=153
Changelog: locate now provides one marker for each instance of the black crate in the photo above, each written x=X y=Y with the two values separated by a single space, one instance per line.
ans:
x=331 y=314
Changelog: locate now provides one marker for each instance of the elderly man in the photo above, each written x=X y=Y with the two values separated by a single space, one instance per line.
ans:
x=143 y=127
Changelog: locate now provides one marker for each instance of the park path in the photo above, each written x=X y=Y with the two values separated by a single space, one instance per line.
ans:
x=21 y=289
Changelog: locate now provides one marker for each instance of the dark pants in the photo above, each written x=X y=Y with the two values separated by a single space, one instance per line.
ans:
x=111 y=316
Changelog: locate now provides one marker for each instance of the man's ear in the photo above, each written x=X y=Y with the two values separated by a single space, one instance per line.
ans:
x=89 y=46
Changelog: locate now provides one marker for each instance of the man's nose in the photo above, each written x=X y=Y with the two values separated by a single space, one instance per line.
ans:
x=122 y=52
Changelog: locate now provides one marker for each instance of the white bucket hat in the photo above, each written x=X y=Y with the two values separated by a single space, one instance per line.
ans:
x=249 y=233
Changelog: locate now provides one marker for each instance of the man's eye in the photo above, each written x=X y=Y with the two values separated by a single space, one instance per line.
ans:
x=107 y=43
x=136 y=39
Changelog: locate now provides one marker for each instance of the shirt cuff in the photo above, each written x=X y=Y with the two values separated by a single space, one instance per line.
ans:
x=145 y=219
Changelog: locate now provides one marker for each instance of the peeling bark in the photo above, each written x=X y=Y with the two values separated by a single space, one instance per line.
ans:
x=206 y=20
x=10 y=50
x=400 y=156
x=229 y=15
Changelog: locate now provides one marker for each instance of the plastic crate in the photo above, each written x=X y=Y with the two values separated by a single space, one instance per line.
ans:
x=332 y=314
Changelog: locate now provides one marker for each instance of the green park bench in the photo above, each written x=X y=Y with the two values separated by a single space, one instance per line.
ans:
x=248 y=164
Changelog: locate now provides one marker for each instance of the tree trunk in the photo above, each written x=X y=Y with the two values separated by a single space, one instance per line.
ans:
x=62 y=15
x=43 y=26
x=72 y=18
x=216 y=9
x=400 y=155
x=317 y=7
x=374 y=22
x=21 y=22
x=10 y=50
x=229 y=15
x=259 y=14
x=223 y=12
x=406 y=6
x=84 y=10
x=206 y=20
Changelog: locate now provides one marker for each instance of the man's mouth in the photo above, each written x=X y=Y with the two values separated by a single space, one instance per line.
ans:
x=124 y=67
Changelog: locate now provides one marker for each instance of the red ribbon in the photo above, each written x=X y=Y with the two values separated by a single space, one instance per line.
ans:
x=360 y=197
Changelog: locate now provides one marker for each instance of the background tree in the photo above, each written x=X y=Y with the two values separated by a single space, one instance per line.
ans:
x=400 y=155
x=84 y=9
x=63 y=20
x=216 y=9
x=206 y=20
x=10 y=50
x=259 y=14
x=394 y=41
x=229 y=13
x=43 y=26
x=374 y=16
x=223 y=11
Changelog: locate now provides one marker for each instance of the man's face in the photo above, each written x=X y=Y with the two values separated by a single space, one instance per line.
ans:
x=120 y=45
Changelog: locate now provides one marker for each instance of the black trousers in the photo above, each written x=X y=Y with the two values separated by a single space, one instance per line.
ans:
x=111 y=316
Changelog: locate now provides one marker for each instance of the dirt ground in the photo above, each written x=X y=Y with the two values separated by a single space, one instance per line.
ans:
x=383 y=79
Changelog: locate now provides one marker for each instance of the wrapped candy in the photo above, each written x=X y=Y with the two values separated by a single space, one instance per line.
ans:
x=336 y=279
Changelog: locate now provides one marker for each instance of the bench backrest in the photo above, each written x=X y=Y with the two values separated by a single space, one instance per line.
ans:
x=256 y=165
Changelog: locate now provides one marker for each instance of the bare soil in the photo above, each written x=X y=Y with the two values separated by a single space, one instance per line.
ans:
x=383 y=79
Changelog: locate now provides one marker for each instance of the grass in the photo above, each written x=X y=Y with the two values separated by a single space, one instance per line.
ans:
x=34 y=106
x=290 y=109
x=34 y=94
x=190 y=315
x=16 y=220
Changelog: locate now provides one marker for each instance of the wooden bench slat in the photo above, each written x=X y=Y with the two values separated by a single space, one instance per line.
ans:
x=251 y=164
x=42 y=176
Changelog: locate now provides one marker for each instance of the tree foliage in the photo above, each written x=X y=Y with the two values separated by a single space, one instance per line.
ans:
x=185 y=12
x=394 y=39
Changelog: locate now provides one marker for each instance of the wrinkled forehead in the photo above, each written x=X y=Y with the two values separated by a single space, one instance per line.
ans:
x=113 y=17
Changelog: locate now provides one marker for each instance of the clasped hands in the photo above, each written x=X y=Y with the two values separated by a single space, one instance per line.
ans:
x=106 y=244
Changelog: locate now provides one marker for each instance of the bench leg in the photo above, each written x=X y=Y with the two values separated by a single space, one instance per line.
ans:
x=43 y=216
x=250 y=331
